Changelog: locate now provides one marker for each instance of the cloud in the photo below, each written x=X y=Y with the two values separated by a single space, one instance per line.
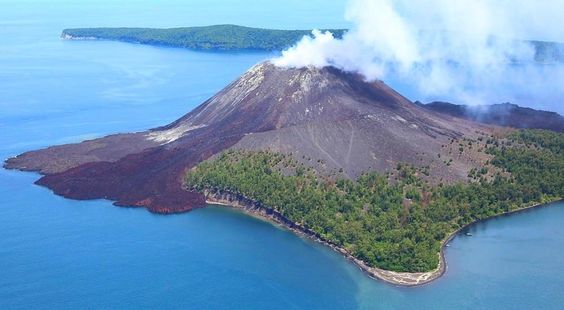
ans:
x=469 y=51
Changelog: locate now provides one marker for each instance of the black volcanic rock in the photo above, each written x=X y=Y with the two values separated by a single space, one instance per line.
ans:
x=333 y=121
x=505 y=114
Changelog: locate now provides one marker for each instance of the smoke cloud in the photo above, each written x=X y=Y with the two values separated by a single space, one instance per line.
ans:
x=467 y=51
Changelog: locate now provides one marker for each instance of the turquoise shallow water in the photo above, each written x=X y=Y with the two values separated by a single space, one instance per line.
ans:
x=63 y=254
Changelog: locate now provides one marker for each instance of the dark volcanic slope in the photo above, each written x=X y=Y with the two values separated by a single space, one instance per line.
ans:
x=328 y=119
x=505 y=114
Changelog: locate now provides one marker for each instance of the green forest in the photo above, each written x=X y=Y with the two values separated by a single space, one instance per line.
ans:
x=233 y=37
x=394 y=221
x=219 y=37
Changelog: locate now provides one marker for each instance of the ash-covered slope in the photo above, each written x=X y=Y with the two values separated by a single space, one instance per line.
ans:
x=504 y=114
x=331 y=120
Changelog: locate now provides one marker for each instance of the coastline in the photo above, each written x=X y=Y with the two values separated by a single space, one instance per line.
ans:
x=407 y=279
x=256 y=209
x=70 y=37
x=217 y=50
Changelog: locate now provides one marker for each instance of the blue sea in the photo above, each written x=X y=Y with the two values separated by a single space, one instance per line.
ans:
x=63 y=254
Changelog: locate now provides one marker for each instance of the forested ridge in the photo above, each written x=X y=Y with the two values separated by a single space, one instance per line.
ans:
x=234 y=37
x=394 y=221
x=219 y=37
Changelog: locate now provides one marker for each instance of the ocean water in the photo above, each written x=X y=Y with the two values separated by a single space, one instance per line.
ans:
x=63 y=254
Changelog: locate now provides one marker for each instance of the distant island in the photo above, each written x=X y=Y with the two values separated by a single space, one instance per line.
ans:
x=217 y=37
x=349 y=163
x=234 y=38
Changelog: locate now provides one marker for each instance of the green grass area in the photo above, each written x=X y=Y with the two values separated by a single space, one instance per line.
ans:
x=219 y=37
x=394 y=221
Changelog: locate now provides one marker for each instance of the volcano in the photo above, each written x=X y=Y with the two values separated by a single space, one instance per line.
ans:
x=333 y=121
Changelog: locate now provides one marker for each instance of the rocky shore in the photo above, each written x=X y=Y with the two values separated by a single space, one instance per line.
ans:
x=66 y=36
x=256 y=208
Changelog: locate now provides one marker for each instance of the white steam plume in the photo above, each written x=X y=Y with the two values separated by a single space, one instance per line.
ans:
x=469 y=51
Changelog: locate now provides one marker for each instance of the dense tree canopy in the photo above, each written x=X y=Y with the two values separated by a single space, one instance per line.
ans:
x=394 y=221
x=233 y=37
x=220 y=37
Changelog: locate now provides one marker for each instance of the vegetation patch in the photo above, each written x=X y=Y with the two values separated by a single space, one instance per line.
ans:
x=219 y=37
x=393 y=221
x=234 y=37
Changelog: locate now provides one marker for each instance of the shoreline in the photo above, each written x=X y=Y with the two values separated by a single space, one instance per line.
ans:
x=406 y=279
x=216 y=50
x=256 y=209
